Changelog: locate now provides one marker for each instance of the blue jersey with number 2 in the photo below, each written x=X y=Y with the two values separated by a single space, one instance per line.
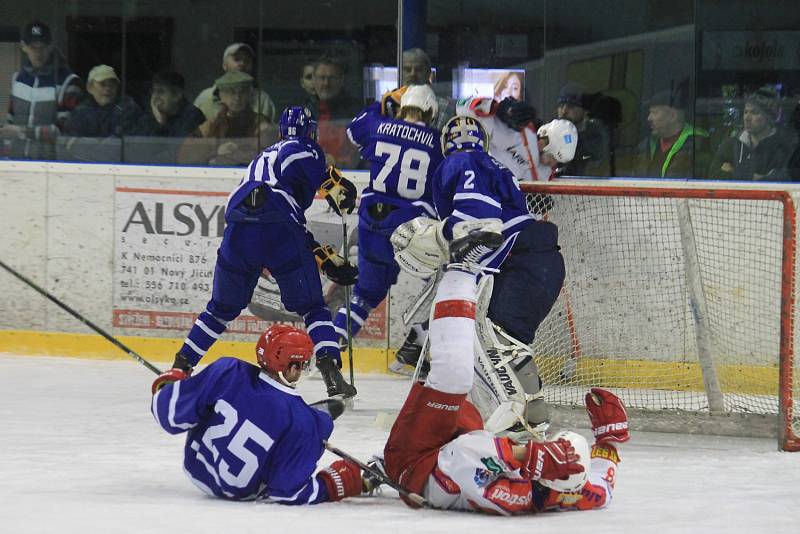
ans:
x=402 y=156
x=248 y=436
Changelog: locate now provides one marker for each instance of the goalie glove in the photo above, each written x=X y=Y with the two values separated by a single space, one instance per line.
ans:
x=342 y=479
x=338 y=191
x=390 y=101
x=334 y=266
x=515 y=114
x=608 y=416
x=419 y=246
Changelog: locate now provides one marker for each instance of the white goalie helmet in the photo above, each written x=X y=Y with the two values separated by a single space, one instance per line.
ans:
x=420 y=96
x=562 y=139
x=575 y=482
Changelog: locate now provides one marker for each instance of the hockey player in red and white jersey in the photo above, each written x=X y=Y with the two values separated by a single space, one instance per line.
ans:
x=530 y=153
x=437 y=446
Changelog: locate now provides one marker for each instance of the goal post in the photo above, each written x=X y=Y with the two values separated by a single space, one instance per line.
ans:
x=680 y=297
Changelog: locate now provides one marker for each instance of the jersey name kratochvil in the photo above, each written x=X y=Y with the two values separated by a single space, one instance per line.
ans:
x=409 y=132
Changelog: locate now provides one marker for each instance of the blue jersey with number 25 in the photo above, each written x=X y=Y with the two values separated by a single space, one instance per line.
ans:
x=247 y=435
x=402 y=157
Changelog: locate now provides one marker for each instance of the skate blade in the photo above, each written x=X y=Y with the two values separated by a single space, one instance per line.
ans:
x=401 y=369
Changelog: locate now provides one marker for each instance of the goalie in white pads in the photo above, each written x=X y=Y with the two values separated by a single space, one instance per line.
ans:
x=473 y=190
x=437 y=447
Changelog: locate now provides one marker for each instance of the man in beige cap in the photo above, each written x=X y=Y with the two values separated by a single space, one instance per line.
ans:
x=236 y=133
x=237 y=57
x=103 y=113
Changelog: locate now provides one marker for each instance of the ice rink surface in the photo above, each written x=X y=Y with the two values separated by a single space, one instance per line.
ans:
x=80 y=453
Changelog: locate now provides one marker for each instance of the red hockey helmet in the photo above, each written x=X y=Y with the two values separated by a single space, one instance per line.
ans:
x=282 y=345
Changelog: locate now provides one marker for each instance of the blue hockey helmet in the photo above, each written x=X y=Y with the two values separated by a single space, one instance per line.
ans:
x=296 y=121
x=463 y=133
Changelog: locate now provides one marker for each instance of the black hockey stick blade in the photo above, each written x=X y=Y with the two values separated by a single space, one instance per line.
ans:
x=116 y=342
x=416 y=498
x=332 y=406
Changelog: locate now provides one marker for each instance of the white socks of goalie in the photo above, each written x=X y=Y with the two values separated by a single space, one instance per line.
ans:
x=451 y=333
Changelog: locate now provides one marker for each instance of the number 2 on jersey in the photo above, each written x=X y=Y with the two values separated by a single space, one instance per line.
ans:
x=413 y=169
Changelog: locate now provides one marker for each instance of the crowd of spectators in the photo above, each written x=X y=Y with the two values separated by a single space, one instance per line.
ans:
x=53 y=114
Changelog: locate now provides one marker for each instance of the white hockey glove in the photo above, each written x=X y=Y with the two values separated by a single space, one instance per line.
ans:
x=419 y=246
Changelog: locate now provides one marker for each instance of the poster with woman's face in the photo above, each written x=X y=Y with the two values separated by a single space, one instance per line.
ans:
x=494 y=83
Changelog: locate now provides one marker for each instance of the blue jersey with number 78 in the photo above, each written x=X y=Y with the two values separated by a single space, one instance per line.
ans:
x=402 y=157
x=247 y=435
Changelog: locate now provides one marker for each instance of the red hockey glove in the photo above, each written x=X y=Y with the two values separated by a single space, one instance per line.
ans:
x=607 y=413
x=551 y=460
x=342 y=479
x=168 y=377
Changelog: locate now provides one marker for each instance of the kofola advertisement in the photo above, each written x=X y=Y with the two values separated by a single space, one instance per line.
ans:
x=165 y=251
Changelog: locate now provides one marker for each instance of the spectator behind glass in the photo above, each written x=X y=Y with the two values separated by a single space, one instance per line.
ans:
x=762 y=150
x=794 y=123
x=43 y=93
x=417 y=71
x=103 y=113
x=509 y=84
x=333 y=108
x=674 y=144
x=591 y=154
x=307 y=80
x=237 y=133
x=170 y=114
x=237 y=57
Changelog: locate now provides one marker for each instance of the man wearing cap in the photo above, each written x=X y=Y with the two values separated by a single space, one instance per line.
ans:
x=762 y=150
x=675 y=148
x=237 y=57
x=103 y=113
x=43 y=93
x=236 y=133
x=591 y=154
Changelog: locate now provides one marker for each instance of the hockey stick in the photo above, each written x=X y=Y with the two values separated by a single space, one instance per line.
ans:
x=83 y=319
x=416 y=498
x=346 y=250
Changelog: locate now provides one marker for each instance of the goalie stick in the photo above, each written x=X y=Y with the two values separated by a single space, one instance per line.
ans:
x=116 y=342
x=416 y=498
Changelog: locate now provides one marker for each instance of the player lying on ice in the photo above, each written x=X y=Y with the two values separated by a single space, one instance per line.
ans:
x=472 y=187
x=437 y=447
x=266 y=228
x=249 y=434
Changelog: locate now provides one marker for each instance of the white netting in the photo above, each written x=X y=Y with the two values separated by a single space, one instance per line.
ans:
x=674 y=303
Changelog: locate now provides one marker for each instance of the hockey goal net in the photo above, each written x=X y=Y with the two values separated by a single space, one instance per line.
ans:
x=679 y=299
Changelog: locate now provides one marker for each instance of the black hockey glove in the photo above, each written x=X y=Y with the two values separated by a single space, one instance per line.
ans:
x=334 y=266
x=338 y=191
x=515 y=114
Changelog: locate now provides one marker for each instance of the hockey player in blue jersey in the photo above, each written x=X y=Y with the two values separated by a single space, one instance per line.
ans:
x=266 y=228
x=249 y=434
x=402 y=153
x=471 y=187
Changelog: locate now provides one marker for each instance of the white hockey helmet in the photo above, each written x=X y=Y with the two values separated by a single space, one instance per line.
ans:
x=420 y=96
x=562 y=139
x=575 y=482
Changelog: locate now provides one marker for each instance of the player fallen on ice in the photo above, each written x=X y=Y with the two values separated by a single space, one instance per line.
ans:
x=471 y=187
x=437 y=447
x=249 y=434
x=266 y=228
x=402 y=153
